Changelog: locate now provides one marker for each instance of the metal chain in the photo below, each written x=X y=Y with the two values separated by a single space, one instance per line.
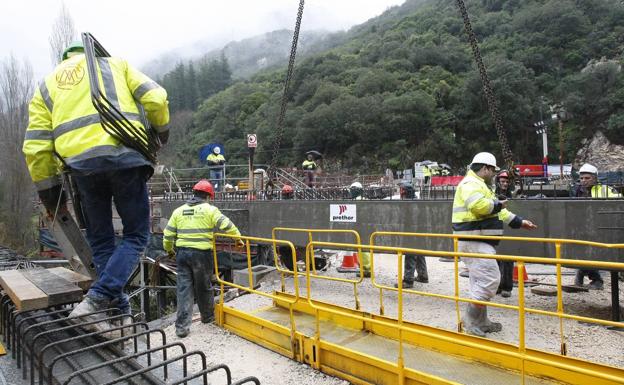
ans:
x=289 y=72
x=487 y=88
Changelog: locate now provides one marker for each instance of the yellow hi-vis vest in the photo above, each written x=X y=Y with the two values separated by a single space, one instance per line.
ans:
x=192 y=225
x=308 y=165
x=214 y=159
x=63 y=120
x=476 y=211
x=604 y=191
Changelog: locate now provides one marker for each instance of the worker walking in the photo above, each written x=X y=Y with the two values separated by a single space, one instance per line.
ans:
x=216 y=164
x=412 y=265
x=191 y=230
x=590 y=188
x=503 y=189
x=477 y=211
x=64 y=125
x=309 y=168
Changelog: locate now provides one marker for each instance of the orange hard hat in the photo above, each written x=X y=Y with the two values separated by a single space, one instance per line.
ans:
x=287 y=189
x=205 y=186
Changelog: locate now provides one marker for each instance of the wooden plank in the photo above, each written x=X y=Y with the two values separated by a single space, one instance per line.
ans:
x=24 y=294
x=81 y=280
x=58 y=290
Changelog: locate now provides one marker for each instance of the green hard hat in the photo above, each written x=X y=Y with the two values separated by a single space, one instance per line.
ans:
x=74 y=46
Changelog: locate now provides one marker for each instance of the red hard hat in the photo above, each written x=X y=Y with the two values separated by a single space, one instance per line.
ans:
x=205 y=186
x=503 y=174
x=287 y=189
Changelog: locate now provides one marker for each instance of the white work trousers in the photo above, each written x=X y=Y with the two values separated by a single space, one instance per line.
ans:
x=484 y=273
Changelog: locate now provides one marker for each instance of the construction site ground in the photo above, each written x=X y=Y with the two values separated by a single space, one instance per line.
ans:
x=589 y=342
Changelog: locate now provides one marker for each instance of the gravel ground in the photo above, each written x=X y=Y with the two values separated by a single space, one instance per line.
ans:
x=589 y=342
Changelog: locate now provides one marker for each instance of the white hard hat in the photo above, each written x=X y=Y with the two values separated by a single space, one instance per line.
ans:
x=216 y=150
x=485 y=158
x=356 y=185
x=588 y=168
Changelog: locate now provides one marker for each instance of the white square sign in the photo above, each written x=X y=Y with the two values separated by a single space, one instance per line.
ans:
x=342 y=213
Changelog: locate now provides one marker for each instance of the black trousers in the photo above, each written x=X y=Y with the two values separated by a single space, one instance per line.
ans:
x=506 y=271
x=411 y=265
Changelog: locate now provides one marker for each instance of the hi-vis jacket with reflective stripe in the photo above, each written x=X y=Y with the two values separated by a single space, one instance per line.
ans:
x=214 y=159
x=597 y=191
x=193 y=224
x=308 y=165
x=62 y=119
x=476 y=211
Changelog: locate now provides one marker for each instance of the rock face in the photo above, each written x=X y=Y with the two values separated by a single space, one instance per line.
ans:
x=599 y=152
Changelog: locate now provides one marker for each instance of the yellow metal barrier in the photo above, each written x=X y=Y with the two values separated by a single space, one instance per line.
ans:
x=310 y=233
x=221 y=310
x=558 y=256
x=568 y=369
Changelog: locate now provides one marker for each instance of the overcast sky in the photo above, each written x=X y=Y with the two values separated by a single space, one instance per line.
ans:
x=141 y=30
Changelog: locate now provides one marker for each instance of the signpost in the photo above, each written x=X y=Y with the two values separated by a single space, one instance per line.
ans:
x=252 y=143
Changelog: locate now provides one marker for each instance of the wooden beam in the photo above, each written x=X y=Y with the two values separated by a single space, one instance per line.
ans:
x=58 y=289
x=81 y=280
x=24 y=294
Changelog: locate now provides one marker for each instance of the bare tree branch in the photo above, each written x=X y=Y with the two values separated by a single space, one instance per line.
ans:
x=63 y=33
x=16 y=87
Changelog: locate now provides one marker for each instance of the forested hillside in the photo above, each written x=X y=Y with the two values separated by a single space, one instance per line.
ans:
x=404 y=87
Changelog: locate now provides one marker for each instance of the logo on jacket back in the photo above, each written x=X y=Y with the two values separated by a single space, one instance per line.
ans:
x=69 y=76
x=342 y=213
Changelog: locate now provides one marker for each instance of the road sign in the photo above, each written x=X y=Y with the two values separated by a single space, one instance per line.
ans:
x=252 y=140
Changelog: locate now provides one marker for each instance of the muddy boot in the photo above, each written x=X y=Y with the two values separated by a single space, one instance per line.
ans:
x=487 y=325
x=472 y=320
x=578 y=279
x=421 y=269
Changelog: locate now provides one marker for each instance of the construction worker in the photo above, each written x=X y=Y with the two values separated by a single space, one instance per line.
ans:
x=216 y=162
x=309 y=168
x=65 y=127
x=356 y=192
x=190 y=229
x=590 y=188
x=287 y=192
x=477 y=211
x=426 y=174
x=503 y=189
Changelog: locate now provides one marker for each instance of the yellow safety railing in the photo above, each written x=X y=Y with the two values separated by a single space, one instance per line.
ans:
x=310 y=233
x=558 y=256
x=251 y=289
x=521 y=354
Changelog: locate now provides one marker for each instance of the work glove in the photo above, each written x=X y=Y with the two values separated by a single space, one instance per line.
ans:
x=240 y=243
x=171 y=254
x=163 y=137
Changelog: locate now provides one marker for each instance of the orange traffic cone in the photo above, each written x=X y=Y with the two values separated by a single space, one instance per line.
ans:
x=515 y=274
x=349 y=264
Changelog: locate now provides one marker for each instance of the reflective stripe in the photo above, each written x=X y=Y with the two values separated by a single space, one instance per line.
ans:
x=94 y=152
x=75 y=124
x=48 y=183
x=194 y=240
x=38 y=135
x=228 y=227
x=169 y=237
x=220 y=221
x=480 y=232
x=474 y=197
x=195 y=231
x=171 y=228
x=144 y=88
x=509 y=219
x=43 y=88
x=460 y=209
x=85 y=121
x=109 y=83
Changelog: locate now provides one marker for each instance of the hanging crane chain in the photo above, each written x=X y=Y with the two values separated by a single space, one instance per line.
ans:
x=487 y=88
x=285 y=95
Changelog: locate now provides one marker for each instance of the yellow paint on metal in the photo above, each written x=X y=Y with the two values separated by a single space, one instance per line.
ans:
x=367 y=348
x=2 y=350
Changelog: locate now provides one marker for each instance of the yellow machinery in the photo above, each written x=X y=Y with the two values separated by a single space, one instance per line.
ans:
x=366 y=348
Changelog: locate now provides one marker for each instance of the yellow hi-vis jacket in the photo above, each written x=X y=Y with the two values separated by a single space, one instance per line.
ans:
x=604 y=191
x=192 y=225
x=214 y=159
x=63 y=120
x=308 y=165
x=477 y=211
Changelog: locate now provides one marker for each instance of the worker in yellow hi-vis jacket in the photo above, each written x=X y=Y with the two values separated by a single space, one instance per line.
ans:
x=190 y=230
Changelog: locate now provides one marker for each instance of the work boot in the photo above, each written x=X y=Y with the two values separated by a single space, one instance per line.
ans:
x=406 y=285
x=578 y=279
x=505 y=294
x=472 y=320
x=421 y=270
x=367 y=274
x=181 y=333
x=90 y=305
x=487 y=325
x=596 y=285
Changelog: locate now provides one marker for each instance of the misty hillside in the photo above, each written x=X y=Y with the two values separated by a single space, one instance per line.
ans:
x=404 y=87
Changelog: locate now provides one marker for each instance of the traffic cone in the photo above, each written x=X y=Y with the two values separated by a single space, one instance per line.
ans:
x=515 y=274
x=349 y=264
